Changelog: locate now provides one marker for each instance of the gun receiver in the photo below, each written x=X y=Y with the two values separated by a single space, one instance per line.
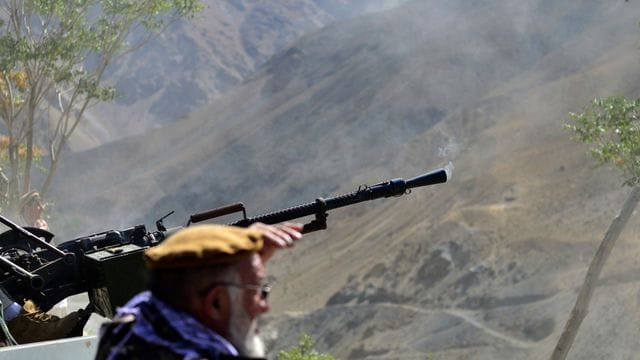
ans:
x=109 y=265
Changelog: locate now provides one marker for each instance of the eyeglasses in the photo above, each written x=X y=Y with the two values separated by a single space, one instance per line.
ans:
x=265 y=289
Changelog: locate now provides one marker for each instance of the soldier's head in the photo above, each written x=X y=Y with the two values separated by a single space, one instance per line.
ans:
x=31 y=206
x=215 y=273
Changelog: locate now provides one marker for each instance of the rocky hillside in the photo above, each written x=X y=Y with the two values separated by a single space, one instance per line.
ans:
x=197 y=60
x=485 y=266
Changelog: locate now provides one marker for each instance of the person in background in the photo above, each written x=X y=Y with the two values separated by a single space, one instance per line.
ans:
x=27 y=323
x=31 y=209
x=206 y=291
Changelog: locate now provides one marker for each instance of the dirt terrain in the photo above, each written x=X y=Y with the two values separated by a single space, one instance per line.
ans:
x=486 y=266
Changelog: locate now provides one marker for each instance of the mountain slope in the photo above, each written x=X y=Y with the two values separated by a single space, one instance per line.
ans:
x=196 y=60
x=496 y=275
x=485 y=266
x=381 y=84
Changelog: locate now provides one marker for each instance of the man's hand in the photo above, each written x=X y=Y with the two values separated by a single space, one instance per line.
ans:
x=277 y=236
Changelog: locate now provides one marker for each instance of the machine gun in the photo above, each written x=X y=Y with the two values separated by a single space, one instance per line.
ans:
x=108 y=265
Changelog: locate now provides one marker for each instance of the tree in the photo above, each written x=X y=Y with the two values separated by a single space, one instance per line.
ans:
x=53 y=57
x=303 y=351
x=612 y=127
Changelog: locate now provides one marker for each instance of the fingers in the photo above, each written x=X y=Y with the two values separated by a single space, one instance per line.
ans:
x=280 y=235
x=289 y=232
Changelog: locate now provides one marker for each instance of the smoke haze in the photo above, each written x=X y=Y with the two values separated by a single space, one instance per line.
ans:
x=323 y=97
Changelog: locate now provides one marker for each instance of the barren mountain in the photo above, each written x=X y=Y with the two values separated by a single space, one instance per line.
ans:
x=197 y=60
x=485 y=266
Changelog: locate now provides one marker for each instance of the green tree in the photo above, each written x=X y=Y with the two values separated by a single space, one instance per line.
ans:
x=611 y=127
x=53 y=57
x=303 y=351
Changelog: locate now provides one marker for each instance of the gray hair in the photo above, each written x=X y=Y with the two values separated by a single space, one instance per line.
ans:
x=175 y=285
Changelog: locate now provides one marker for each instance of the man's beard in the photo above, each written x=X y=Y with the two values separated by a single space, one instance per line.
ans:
x=243 y=330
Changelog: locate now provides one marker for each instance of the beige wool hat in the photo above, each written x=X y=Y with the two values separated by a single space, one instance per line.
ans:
x=204 y=245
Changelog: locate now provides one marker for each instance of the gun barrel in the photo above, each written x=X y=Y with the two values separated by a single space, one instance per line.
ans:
x=437 y=176
x=394 y=187
x=35 y=281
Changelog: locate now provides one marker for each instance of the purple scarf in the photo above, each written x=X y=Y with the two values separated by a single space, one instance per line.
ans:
x=162 y=325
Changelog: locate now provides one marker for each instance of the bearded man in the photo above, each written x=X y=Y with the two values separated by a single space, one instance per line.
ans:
x=206 y=291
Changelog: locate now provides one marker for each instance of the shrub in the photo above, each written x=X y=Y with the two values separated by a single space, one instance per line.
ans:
x=303 y=351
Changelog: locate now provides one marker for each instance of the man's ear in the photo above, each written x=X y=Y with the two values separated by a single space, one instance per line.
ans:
x=216 y=304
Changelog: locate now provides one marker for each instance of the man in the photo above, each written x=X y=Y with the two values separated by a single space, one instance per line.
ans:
x=207 y=289
x=31 y=208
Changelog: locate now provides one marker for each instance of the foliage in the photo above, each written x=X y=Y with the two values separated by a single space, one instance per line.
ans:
x=53 y=55
x=303 y=351
x=22 y=149
x=612 y=127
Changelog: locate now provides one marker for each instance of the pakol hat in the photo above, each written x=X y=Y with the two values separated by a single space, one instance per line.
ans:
x=204 y=245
